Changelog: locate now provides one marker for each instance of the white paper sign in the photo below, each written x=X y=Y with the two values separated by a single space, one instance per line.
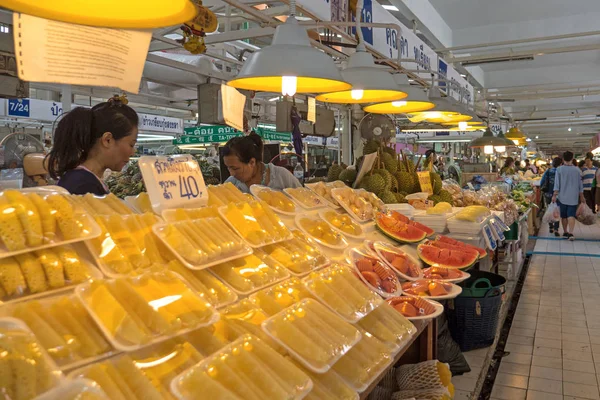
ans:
x=158 y=123
x=173 y=182
x=367 y=165
x=233 y=107
x=312 y=110
x=58 y=52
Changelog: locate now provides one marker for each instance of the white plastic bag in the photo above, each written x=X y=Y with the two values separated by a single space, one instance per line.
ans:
x=585 y=215
x=552 y=214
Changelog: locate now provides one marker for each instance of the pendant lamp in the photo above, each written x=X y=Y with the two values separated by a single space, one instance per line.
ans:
x=290 y=65
x=416 y=100
x=515 y=133
x=446 y=110
x=129 y=14
x=488 y=139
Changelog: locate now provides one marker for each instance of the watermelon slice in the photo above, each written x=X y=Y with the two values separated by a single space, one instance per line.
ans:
x=450 y=246
x=399 y=231
x=458 y=243
x=448 y=258
x=403 y=218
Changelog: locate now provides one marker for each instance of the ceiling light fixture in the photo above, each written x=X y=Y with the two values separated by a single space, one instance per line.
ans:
x=416 y=101
x=390 y=7
x=488 y=149
x=488 y=139
x=570 y=129
x=462 y=125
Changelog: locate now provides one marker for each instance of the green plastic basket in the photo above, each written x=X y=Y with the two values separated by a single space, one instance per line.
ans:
x=513 y=233
x=482 y=284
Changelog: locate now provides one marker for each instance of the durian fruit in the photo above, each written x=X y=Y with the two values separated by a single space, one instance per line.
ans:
x=436 y=182
x=387 y=197
x=373 y=183
x=435 y=198
x=403 y=193
x=390 y=151
x=371 y=146
x=411 y=165
x=334 y=172
x=394 y=184
x=446 y=196
x=389 y=162
x=348 y=176
x=400 y=198
x=386 y=176
x=416 y=185
x=405 y=182
x=401 y=166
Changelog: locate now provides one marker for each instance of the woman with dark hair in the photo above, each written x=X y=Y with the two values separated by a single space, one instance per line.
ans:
x=509 y=167
x=243 y=158
x=88 y=141
x=547 y=186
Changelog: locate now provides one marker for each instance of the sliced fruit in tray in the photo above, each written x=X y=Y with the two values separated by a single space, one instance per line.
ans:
x=184 y=214
x=343 y=223
x=397 y=229
x=445 y=274
x=445 y=242
x=274 y=198
x=403 y=263
x=221 y=195
x=431 y=288
x=321 y=232
x=305 y=197
x=389 y=326
x=275 y=298
x=376 y=275
x=299 y=255
x=328 y=386
x=416 y=308
x=449 y=258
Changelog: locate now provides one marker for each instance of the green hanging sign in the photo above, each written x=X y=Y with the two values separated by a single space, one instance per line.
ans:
x=271 y=134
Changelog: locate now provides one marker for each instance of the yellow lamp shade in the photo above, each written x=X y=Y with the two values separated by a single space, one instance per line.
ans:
x=515 y=134
x=469 y=124
x=368 y=96
x=446 y=117
x=128 y=14
x=399 y=107
x=275 y=84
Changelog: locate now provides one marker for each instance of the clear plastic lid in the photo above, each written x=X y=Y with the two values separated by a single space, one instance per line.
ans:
x=340 y=290
x=360 y=204
x=201 y=243
x=416 y=308
x=64 y=328
x=364 y=362
x=245 y=369
x=321 y=232
x=127 y=244
x=375 y=274
x=255 y=222
x=141 y=310
x=389 y=326
x=251 y=273
x=27 y=371
x=277 y=200
x=328 y=386
x=299 y=255
x=208 y=339
x=120 y=378
x=431 y=288
x=184 y=214
x=305 y=198
x=31 y=221
x=406 y=266
x=275 y=298
x=205 y=284
x=313 y=334
x=323 y=190
x=222 y=195
x=76 y=389
x=102 y=205
x=343 y=223
x=43 y=272
x=140 y=203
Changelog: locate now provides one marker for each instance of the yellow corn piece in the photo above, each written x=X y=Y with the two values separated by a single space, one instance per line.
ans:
x=11 y=278
x=28 y=215
x=99 y=206
x=11 y=230
x=53 y=268
x=65 y=216
x=117 y=205
x=33 y=272
x=46 y=214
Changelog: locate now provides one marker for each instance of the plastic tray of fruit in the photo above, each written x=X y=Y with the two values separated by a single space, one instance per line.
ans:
x=321 y=232
x=453 y=275
x=101 y=205
x=389 y=326
x=277 y=200
x=300 y=255
x=405 y=265
x=185 y=214
x=416 y=308
x=305 y=198
x=323 y=190
x=127 y=244
x=140 y=203
x=246 y=368
x=27 y=370
x=278 y=297
x=75 y=389
x=31 y=221
x=314 y=335
x=205 y=284
x=251 y=273
x=375 y=274
x=44 y=272
x=341 y=291
x=255 y=222
x=64 y=328
x=343 y=223
x=432 y=289
x=120 y=378
x=202 y=243
x=328 y=386
x=138 y=311
x=222 y=195
x=364 y=362
x=360 y=204
x=456 y=225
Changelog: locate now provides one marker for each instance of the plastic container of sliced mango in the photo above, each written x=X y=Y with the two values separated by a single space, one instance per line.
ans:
x=32 y=372
x=202 y=243
x=342 y=292
x=36 y=220
x=75 y=389
x=101 y=205
x=321 y=232
x=389 y=326
x=278 y=201
x=313 y=334
x=245 y=366
x=137 y=311
x=343 y=223
x=305 y=198
x=278 y=297
x=184 y=214
x=255 y=222
x=127 y=244
x=45 y=272
x=328 y=386
x=299 y=255
x=323 y=190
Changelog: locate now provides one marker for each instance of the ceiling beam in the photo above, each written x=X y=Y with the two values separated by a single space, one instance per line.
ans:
x=524 y=53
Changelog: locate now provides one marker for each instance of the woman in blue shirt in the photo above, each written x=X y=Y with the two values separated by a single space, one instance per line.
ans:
x=547 y=183
x=88 y=141
x=243 y=155
x=588 y=174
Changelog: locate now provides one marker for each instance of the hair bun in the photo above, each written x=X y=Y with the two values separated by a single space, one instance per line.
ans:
x=117 y=100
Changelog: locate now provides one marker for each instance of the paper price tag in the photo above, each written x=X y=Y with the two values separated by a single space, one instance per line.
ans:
x=173 y=182
x=425 y=182
x=489 y=237
x=312 y=110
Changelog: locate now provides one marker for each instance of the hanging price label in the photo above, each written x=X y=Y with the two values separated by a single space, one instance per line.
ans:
x=173 y=182
x=425 y=182
x=489 y=237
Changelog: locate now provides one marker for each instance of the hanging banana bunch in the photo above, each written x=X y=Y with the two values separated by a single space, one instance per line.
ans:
x=194 y=31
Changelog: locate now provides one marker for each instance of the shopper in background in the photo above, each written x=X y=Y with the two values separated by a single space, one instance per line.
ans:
x=88 y=141
x=547 y=187
x=588 y=176
x=568 y=190
x=431 y=160
x=509 y=167
x=243 y=158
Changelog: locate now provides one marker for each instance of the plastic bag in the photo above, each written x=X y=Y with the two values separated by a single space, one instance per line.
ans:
x=552 y=214
x=585 y=215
